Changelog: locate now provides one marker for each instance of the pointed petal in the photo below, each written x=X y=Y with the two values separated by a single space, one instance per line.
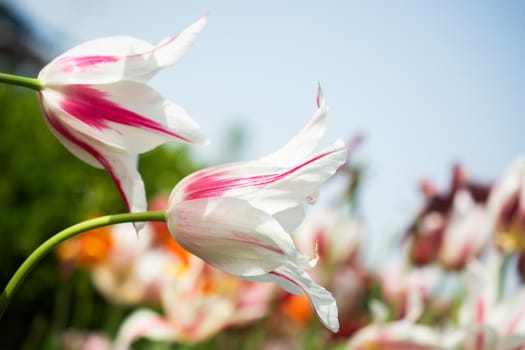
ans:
x=123 y=171
x=142 y=324
x=285 y=283
x=129 y=116
x=302 y=144
x=303 y=179
x=280 y=192
x=231 y=235
x=321 y=299
x=108 y=60
x=285 y=196
x=122 y=167
x=171 y=51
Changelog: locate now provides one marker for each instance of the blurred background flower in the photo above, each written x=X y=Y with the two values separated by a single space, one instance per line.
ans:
x=452 y=228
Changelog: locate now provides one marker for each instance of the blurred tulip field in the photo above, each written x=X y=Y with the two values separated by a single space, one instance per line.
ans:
x=447 y=283
x=451 y=279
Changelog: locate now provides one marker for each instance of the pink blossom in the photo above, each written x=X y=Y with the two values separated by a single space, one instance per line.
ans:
x=452 y=228
x=238 y=217
x=96 y=102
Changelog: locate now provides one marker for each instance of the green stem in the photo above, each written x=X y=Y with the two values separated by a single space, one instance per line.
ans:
x=32 y=260
x=21 y=81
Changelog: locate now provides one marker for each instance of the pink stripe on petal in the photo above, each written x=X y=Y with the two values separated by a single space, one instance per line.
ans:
x=515 y=322
x=210 y=186
x=300 y=166
x=142 y=55
x=285 y=278
x=161 y=45
x=245 y=238
x=480 y=311
x=76 y=64
x=214 y=186
x=90 y=106
x=60 y=128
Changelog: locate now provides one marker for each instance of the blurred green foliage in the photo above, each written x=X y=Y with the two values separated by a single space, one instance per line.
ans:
x=44 y=189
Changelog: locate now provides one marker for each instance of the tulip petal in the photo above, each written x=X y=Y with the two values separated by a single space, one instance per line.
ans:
x=321 y=299
x=280 y=192
x=121 y=166
x=285 y=283
x=108 y=60
x=143 y=324
x=60 y=130
x=289 y=218
x=285 y=197
x=123 y=171
x=302 y=144
x=236 y=216
x=126 y=115
x=231 y=235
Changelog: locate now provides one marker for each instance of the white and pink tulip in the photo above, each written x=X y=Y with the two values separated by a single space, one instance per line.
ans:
x=238 y=217
x=96 y=102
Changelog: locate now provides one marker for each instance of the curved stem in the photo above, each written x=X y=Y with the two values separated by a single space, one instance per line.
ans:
x=36 y=256
x=21 y=81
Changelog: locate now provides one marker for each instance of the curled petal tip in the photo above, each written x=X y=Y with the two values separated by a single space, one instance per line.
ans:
x=320 y=96
x=202 y=20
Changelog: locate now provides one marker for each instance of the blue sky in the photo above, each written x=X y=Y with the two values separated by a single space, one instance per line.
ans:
x=428 y=83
